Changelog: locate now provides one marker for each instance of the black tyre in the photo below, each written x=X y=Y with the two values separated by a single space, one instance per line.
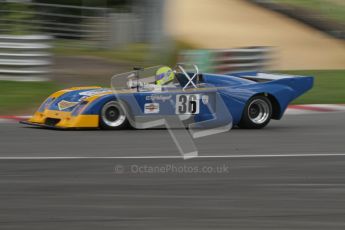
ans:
x=113 y=116
x=257 y=113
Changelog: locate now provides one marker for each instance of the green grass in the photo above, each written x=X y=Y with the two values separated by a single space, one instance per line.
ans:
x=141 y=54
x=329 y=87
x=17 y=97
x=332 y=9
x=136 y=53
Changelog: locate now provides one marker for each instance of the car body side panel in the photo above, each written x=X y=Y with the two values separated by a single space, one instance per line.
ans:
x=137 y=101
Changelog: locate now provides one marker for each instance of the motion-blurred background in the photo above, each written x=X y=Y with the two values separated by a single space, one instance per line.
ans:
x=46 y=45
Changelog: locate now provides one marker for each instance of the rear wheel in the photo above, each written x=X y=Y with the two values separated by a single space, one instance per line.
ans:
x=113 y=116
x=257 y=113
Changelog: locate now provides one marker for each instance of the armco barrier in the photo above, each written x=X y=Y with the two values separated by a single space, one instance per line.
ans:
x=25 y=58
x=228 y=60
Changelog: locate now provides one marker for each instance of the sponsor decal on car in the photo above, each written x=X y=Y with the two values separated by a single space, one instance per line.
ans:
x=66 y=104
x=158 y=97
x=93 y=92
x=150 y=108
x=205 y=99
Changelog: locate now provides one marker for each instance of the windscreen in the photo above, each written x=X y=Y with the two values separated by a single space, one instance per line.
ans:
x=142 y=79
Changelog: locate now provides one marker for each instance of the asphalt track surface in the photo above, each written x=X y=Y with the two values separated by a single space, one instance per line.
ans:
x=287 y=176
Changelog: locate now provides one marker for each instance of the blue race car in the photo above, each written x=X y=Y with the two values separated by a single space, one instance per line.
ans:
x=140 y=97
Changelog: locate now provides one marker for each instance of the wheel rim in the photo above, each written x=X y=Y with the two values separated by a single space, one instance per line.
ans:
x=258 y=111
x=113 y=115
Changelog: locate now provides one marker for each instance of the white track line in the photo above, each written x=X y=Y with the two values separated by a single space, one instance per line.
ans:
x=179 y=157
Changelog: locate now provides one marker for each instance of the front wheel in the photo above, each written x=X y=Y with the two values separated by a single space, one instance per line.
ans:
x=113 y=116
x=257 y=113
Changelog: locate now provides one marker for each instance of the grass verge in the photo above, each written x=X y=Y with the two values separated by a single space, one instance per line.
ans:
x=18 y=97
x=331 y=9
x=135 y=53
x=329 y=87
x=141 y=54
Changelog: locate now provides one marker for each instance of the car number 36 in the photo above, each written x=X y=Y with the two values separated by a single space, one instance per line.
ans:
x=187 y=104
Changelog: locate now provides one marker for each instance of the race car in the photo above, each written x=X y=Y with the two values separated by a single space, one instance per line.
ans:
x=246 y=100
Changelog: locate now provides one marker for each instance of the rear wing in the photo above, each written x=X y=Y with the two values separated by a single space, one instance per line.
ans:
x=262 y=77
x=284 y=87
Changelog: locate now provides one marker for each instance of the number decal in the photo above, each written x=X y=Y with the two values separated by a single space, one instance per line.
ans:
x=187 y=104
x=182 y=107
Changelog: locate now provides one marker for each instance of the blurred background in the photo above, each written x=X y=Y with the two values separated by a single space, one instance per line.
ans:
x=47 y=45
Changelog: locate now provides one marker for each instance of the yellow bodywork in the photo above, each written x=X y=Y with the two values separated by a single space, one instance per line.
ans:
x=66 y=118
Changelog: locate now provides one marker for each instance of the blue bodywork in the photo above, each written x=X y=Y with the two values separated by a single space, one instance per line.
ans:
x=233 y=89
